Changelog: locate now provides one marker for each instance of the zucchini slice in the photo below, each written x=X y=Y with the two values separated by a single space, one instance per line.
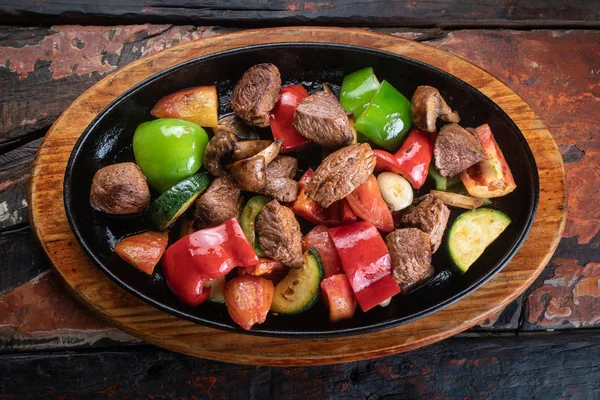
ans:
x=217 y=289
x=251 y=210
x=299 y=290
x=176 y=200
x=472 y=232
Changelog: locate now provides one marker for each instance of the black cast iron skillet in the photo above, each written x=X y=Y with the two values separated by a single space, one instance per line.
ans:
x=108 y=140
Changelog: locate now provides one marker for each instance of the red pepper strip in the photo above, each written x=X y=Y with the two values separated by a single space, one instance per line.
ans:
x=366 y=261
x=338 y=213
x=367 y=203
x=492 y=177
x=411 y=160
x=282 y=117
x=319 y=238
x=203 y=255
x=143 y=251
x=338 y=297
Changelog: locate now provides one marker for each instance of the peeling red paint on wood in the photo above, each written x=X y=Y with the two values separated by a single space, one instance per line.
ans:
x=43 y=309
x=571 y=297
x=73 y=51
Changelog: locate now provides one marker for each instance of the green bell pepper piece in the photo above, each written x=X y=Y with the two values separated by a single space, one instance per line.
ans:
x=168 y=150
x=386 y=121
x=358 y=88
x=441 y=182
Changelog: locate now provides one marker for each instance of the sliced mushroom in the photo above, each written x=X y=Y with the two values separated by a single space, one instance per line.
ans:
x=249 y=173
x=120 y=189
x=427 y=105
x=249 y=148
x=229 y=131
x=234 y=124
x=219 y=146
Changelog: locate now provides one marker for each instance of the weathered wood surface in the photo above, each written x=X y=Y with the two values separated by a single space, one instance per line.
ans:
x=446 y=13
x=549 y=367
x=557 y=75
x=98 y=292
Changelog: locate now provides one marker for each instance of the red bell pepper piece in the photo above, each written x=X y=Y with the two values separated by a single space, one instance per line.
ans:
x=339 y=297
x=338 y=213
x=143 y=251
x=271 y=270
x=366 y=261
x=203 y=255
x=367 y=203
x=411 y=160
x=282 y=117
x=319 y=238
x=248 y=299
x=492 y=177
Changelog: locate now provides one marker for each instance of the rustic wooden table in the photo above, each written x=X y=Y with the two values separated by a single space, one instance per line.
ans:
x=543 y=345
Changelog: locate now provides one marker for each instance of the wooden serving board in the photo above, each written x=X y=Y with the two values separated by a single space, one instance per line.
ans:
x=127 y=312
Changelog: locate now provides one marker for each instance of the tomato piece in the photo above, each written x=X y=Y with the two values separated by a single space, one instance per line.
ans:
x=197 y=104
x=143 y=251
x=319 y=238
x=204 y=255
x=282 y=117
x=339 y=297
x=367 y=203
x=271 y=270
x=492 y=177
x=248 y=299
x=366 y=261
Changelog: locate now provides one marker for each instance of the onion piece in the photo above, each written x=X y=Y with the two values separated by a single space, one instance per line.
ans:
x=458 y=200
x=396 y=190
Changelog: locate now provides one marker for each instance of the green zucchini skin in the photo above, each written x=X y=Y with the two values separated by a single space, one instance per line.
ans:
x=472 y=232
x=299 y=290
x=165 y=210
x=247 y=221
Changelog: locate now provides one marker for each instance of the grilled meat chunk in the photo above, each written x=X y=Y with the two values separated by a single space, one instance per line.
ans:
x=279 y=174
x=340 y=173
x=222 y=201
x=456 y=149
x=279 y=234
x=410 y=252
x=256 y=93
x=429 y=214
x=321 y=119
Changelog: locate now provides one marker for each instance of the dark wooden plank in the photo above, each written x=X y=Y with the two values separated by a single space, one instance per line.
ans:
x=548 y=367
x=22 y=259
x=446 y=13
x=14 y=178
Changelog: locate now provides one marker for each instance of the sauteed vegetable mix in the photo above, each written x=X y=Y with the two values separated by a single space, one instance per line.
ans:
x=261 y=231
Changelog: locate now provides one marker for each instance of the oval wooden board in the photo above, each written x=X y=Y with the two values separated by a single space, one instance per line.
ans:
x=132 y=315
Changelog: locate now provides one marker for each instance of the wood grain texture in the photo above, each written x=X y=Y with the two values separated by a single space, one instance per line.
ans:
x=549 y=367
x=447 y=13
x=139 y=319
